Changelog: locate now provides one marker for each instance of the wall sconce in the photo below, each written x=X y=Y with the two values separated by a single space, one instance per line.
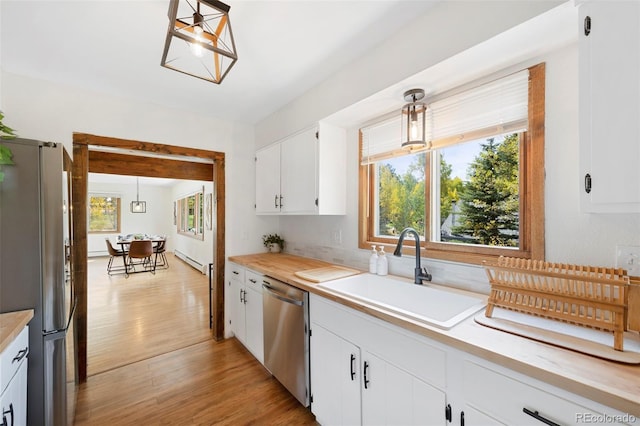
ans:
x=199 y=39
x=413 y=119
x=138 y=206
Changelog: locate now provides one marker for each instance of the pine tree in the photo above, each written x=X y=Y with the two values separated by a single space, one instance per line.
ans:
x=490 y=199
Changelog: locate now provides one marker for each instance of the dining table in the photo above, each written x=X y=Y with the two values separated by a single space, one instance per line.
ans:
x=124 y=246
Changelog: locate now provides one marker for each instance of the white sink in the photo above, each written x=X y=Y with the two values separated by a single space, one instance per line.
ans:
x=424 y=303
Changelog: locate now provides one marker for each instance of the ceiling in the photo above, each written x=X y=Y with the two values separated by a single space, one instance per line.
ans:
x=114 y=46
x=285 y=47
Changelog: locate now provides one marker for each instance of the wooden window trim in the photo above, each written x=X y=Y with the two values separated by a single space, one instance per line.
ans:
x=532 y=238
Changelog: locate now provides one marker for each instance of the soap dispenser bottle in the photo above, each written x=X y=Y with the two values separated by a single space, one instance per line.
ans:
x=373 y=260
x=383 y=266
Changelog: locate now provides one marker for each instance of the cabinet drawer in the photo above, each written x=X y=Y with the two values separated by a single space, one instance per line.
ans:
x=253 y=280
x=236 y=272
x=504 y=398
x=12 y=357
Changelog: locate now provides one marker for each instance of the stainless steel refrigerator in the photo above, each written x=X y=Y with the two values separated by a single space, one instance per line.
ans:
x=35 y=272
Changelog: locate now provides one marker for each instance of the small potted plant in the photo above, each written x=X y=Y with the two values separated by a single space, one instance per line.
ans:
x=273 y=242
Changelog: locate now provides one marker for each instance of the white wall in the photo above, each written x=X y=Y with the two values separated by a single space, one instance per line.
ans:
x=448 y=28
x=199 y=250
x=158 y=220
x=571 y=236
x=48 y=111
x=42 y=110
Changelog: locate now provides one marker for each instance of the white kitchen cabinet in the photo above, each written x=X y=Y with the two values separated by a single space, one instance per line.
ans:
x=245 y=292
x=359 y=377
x=411 y=379
x=303 y=174
x=391 y=396
x=493 y=395
x=254 y=327
x=235 y=294
x=609 y=106
x=268 y=180
x=13 y=380
x=335 y=379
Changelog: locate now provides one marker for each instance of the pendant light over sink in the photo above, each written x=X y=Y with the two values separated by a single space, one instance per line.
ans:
x=413 y=119
x=199 y=39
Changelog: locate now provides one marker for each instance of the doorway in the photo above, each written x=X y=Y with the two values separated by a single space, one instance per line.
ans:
x=102 y=154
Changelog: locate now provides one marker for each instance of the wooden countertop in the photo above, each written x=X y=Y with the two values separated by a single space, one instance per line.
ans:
x=11 y=324
x=609 y=383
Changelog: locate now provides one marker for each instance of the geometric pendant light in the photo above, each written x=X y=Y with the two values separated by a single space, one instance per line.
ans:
x=138 y=206
x=413 y=119
x=199 y=39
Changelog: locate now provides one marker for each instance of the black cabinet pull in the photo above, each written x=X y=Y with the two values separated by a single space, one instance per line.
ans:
x=281 y=205
x=241 y=296
x=4 y=418
x=447 y=413
x=587 y=25
x=538 y=417
x=461 y=418
x=252 y=280
x=353 y=367
x=21 y=354
x=366 y=379
x=275 y=201
x=235 y=272
x=587 y=183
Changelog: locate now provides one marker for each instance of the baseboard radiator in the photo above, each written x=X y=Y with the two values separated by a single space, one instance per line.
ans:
x=190 y=261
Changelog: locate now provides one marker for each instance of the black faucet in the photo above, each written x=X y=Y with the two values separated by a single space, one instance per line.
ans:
x=420 y=274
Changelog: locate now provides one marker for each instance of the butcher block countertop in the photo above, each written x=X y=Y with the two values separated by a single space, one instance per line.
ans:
x=11 y=324
x=613 y=384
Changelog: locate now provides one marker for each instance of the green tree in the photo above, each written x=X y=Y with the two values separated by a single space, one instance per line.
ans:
x=449 y=189
x=490 y=199
x=401 y=197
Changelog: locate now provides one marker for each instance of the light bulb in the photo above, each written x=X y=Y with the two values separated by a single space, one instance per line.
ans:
x=196 y=48
x=414 y=130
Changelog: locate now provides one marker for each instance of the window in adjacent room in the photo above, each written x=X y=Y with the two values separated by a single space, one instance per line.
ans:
x=104 y=213
x=479 y=191
x=190 y=215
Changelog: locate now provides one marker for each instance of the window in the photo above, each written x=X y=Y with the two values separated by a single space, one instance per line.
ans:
x=104 y=213
x=190 y=215
x=478 y=192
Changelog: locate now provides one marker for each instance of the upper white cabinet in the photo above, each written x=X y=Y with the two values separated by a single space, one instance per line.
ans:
x=303 y=174
x=609 y=106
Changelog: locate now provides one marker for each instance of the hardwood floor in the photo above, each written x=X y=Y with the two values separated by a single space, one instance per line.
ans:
x=152 y=360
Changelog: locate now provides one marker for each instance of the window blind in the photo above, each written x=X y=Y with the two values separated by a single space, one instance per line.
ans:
x=500 y=106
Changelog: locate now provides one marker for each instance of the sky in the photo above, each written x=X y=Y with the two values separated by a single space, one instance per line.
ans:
x=459 y=156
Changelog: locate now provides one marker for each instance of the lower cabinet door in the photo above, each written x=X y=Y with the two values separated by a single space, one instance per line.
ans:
x=238 y=311
x=335 y=378
x=254 y=323
x=14 y=399
x=391 y=396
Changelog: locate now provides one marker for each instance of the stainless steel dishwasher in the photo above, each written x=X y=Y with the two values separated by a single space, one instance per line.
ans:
x=286 y=336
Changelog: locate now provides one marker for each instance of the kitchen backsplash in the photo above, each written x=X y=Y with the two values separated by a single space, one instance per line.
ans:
x=458 y=275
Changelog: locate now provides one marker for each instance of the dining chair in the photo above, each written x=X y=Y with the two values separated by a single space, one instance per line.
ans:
x=113 y=253
x=159 y=250
x=142 y=250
